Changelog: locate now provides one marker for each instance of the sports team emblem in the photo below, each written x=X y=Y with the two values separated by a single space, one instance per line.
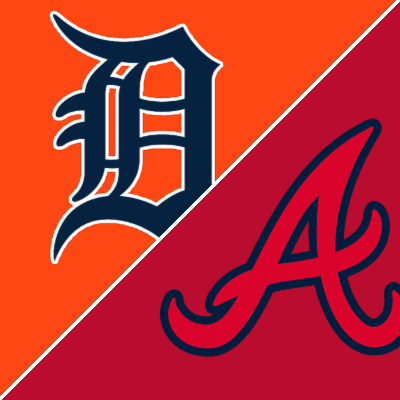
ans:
x=196 y=105
x=319 y=197
x=244 y=224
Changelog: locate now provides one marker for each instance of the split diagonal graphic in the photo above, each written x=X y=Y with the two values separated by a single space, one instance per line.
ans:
x=117 y=347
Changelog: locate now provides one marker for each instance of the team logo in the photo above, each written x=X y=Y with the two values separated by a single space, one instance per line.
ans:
x=319 y=198
x=197 y=143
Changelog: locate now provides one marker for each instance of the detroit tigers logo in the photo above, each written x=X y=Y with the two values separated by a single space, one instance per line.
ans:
x=319 y=197
x=196 y=105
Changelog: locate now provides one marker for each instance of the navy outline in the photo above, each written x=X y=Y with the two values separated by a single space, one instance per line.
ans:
x=309 y=217
x=217 y=312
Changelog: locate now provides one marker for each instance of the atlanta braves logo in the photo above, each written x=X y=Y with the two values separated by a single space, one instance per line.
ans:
x=196 y=105
x=319 y=197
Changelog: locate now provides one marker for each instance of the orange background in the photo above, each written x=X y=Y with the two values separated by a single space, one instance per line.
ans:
x=272 y=52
